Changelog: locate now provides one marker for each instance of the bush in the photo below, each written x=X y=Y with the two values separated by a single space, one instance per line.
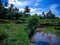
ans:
x=33 y=22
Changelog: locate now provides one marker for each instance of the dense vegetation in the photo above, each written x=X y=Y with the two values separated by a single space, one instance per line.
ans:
x=20 y=26
x=13 y=34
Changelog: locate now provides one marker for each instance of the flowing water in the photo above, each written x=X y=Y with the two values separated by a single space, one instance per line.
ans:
x=45 y=38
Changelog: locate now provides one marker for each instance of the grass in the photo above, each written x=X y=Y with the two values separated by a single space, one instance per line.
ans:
x=15 y=34
x=49 y=29
x=51 y=21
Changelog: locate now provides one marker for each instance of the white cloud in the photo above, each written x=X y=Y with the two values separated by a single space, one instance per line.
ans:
x=18 y=4
x=36 y=10
x=36 y=4
x=21 y=4
x=54 y=6
x=53 y=9
x=11 y=1
x=21 y=9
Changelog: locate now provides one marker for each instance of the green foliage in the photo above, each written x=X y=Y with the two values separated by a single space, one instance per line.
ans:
x=27 y=10
x=52 y=30
x=13 y=34
x=40 y=17
x=33 y=22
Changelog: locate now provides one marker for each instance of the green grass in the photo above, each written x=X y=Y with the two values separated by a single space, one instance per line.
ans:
x=13 y=34
x=51 y=29
x=51 y=21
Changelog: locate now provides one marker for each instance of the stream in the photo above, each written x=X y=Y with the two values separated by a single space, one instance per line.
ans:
x=45 y=38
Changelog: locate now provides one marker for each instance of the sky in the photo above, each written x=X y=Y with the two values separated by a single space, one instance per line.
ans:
x=37 y=6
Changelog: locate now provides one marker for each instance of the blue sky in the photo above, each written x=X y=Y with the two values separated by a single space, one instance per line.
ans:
x=37 y=6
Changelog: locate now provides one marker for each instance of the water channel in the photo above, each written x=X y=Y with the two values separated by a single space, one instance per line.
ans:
x=45 y=38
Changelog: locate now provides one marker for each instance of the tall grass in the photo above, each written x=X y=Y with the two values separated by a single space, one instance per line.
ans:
x=13 y=34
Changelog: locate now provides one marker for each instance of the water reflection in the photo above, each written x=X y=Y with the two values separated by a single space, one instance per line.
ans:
x=43 y=38
x=49 y=38
x=42 y=43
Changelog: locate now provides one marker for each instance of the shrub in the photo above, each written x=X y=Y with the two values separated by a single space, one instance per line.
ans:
x=33 y=22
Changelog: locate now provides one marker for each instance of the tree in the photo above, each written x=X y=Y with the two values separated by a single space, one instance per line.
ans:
x=11 y=9
x=0 y=2
x=50 y=15
x=21 y=14
x=40 y=16
x=43 y=15
x=2 y=11
x=27 y=11
x=17 y=16
x=6 y=4
x=1 y=7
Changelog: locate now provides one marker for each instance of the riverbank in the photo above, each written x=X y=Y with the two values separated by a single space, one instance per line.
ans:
x=49 y=29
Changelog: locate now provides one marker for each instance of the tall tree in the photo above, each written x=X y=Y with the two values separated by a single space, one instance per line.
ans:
x=50 y=15
x=43 y=15
x=27 y=10
x=11 y=8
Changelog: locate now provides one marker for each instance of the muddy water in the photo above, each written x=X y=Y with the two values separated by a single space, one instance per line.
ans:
x=45 y=38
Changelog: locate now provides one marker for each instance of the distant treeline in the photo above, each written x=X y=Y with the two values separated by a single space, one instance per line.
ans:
x=13 y=13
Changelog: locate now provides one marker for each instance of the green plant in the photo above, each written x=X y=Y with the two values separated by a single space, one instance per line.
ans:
x=13 y=34
x=33 y=22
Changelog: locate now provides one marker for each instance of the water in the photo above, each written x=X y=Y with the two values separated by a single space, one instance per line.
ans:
x=46 y=38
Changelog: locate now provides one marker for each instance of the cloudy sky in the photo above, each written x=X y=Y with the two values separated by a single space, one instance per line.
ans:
x=37 y=6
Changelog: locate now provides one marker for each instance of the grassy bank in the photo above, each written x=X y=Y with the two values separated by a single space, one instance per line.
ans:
x=13 y=34
x=51 y=21
x=49 y=29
